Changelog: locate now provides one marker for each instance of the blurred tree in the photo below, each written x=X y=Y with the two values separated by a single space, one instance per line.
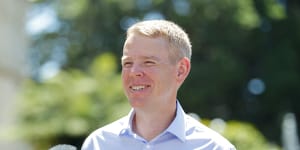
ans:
x=245 y=63
x=241 y=134
x=69 y=106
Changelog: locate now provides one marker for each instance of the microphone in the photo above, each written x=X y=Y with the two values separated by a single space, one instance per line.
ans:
x=63 y=147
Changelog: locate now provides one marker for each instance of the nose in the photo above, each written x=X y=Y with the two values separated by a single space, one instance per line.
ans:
x=136 y=70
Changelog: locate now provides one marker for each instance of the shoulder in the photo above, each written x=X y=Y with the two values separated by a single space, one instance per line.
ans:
x=201 y=133
x=113 y=128
x=109 y=131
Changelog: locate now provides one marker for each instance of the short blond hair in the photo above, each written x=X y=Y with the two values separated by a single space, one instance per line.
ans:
x=178 y=39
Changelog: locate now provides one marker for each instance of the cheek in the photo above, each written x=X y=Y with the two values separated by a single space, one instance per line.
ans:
x=171 y=77
x=165 y=75
x=124 y=77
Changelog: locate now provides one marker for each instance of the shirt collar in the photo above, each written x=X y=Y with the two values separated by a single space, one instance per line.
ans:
x=127 y=124
x=177 y=127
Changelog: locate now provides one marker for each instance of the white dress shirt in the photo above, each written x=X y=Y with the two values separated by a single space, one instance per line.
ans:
x=184 y=133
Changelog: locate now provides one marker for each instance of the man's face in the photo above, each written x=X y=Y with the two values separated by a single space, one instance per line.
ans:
x=148 y=76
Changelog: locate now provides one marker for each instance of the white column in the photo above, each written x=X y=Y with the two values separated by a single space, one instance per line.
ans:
x=13 y=45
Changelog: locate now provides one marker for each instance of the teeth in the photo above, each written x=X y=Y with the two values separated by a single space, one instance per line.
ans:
x=136 y=88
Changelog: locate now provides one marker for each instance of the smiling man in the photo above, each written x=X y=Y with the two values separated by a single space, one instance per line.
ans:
x=155 y=63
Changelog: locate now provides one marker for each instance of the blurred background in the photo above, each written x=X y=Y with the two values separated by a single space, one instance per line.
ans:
x=60 y=68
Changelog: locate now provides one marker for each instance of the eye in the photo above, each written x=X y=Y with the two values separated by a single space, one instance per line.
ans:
x=149 y=63
x=127 y=64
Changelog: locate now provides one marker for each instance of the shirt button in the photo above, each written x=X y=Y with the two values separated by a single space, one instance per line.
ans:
x=147 y=147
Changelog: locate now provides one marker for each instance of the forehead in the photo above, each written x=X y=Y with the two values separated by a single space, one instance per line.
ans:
x=145 y=47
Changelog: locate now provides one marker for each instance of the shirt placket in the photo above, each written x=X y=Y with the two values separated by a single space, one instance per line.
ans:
x=148 y=146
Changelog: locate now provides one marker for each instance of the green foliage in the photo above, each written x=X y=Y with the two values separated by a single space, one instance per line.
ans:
x=73 y=103
x=275 y=10
x=244 y=136
x=71 y=9
x=233 y=41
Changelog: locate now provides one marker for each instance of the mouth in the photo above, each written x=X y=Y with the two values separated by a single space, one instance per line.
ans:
x=139 y=87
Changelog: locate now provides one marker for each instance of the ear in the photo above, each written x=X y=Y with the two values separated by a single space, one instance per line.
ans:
x=183 y=69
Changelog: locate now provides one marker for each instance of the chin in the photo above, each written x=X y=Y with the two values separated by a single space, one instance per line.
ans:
x=136 y=103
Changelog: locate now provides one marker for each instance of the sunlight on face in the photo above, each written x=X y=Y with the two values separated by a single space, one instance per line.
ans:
x=149 y=78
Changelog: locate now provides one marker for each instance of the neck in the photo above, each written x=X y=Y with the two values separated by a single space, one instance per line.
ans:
x=150 y=124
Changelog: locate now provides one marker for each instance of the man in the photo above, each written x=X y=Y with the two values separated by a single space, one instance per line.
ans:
x=155 y=63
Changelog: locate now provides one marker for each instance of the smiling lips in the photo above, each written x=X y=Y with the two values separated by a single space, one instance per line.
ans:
x=139 y=87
